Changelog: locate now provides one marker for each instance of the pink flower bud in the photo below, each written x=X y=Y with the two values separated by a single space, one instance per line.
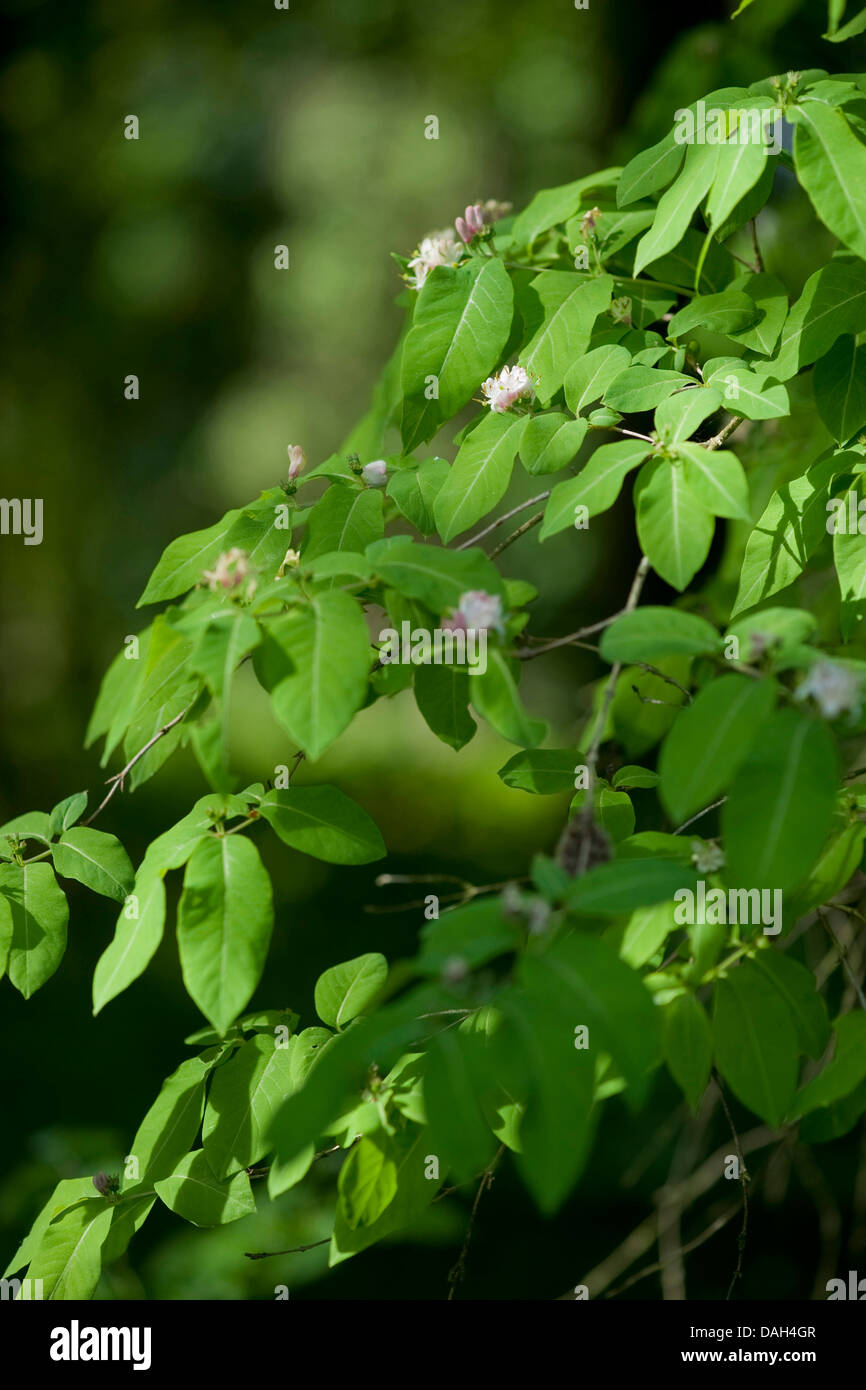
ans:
x=475 y=217
x=375 y=474
x=297 y=461
x=464 y=231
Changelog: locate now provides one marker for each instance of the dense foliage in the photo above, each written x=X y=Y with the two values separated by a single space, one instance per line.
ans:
x=621 y=327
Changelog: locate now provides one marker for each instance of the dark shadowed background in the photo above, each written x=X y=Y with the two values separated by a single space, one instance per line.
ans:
x=156 y=257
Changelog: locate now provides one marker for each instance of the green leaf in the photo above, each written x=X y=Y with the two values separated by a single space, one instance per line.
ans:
x=678 y=416
x=480 y=474
x=407 y=1152
x=709 y=740
x=345 y=990
x=415 y=491
x=631 y=776
x=729 y=312
x=833 y=302
x=687 y=1042
x=849 y=557
x=677 y=205
x=583 y=977
x=66 y=813
x=224 y=923
x=716 y=478
x=68 y=1258
x=460 y=326
x=436 y=577
x=596 y=486
x=325 y=823
x=831 y=165
x=545 y=771
x=192 y=1191
x=848 y=31
x=95 y=859
x=166 y=688
x=643 y=388
x=442 y=696
x=170 y=1126
x=796 y=985
x=245 y=1095
x=674 y=527
x=625 y=884
x=550 y=206
x=550 y=442
x=220 y=647
x=473 y=934
x=367 y=1184
x=457 y=1071
x=840 y=388
x=646 y=931
x=740 y=164
x=648 y=633
x=755 y=1043
x=329 y=647
x=650 y=170
x=539 y=1063
x=31 y=897
x=69 y=1192
x=570 y=304
x=136 y=937
x=771 y=297
x=495 y=697
x=843 y=1073
x=791 y=527
x=345 y=518
x=589 y=377
x=781 y=803
x=183 y=561
x=744 y=392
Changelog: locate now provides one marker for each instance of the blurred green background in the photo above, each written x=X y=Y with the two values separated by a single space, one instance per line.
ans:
x=304 y=127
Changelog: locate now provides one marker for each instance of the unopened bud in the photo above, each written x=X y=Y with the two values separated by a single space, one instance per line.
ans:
x=375 y=474
x=297 y=461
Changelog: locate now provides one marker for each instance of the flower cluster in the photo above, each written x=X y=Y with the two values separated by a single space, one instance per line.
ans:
x=439 y=248
x=834 y=688
x=231 y=572
x=507 y=387
x=476 y=612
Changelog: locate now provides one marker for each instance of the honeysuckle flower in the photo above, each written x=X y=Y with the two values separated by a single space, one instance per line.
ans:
x=297 y=461
x=290 y=560
x=834 y=688
x=231 y=570
x=375 y=474
x=507 y=387
x=476 y=612
x=491 y=210
x=587 y=226
x=439 y=248
x=472 y=224
x=620 y=309
x=707 y=859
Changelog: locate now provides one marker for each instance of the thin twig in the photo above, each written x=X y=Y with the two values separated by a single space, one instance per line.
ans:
x=572 y=639
x=705 y=812
x=515 y=535
x=660 y=1265
x=500 y=520
x=843 y=957
x=759 y=260
x=459 y=1268
x=117 y=781
x=744 y=1182
x=296 y=1250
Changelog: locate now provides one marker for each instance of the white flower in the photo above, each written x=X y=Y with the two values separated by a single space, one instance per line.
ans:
x=231 y=570
x=439 y=248
x=834 y=689
x=707 y=859
x=479 y=611
x=510 y=385
x=290 y=561
x=375 y=474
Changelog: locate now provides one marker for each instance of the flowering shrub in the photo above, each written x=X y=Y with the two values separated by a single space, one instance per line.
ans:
x=622 y=324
